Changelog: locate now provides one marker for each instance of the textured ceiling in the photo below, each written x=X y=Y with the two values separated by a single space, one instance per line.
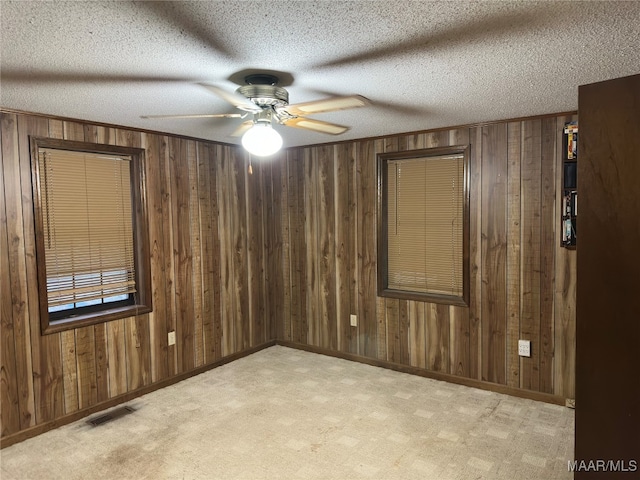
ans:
x=422 y=64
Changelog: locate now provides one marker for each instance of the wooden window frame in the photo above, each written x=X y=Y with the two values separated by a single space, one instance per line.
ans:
x=382 y=213
x=142 y=301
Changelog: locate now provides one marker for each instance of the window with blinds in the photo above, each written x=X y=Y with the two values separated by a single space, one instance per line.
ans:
x=424 y=216
x=87 y=240
x=88 y=229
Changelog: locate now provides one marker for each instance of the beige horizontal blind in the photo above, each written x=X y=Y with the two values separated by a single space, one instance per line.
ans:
x=87 y=220
x=424 y=219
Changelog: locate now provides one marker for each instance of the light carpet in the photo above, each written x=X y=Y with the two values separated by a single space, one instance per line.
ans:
x=288 y=414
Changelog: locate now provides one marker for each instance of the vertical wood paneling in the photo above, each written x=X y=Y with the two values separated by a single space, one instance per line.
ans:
x=165 y=166
x=10 y=412
x=530 y=252
x=367 y=257
x=514 y=265
x=494 y=215
x=392 y=306
x=343 y=227
x=86 y=367
x=354 y=215
x=283 y=322
x=183 y=254
x=327 y=248
x=513 y=253
x=312 y=250
x=18 y=248
x=102 y=364
x=216 y=154
x=239 y=248
x=192 y=239
x=225 y=229
x=459 y=341
x=548 y=220
x=312 y=313
x=417 y=335
x=157 y=318
x=206 y=233
x=297 y=269
x=437 y=344
x=254 y=252
x=45 y=351
x=475 y=253
x=117 y=358
x=196 y=262
x=565 y=294
x=459 y=319
x=275 y=264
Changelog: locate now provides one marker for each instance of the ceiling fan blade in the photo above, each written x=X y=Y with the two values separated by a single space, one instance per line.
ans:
x=326 y=105
x=497 y=26
x=394 y=107
x=235 y=99
x=244 y=126
x=184 y=18
x=315 y=125
x=203 y=115
x=44 y=77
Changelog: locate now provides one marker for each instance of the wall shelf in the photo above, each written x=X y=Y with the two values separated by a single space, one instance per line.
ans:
x=569 y=185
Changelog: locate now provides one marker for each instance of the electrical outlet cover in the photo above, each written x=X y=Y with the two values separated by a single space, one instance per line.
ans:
x=524 y=348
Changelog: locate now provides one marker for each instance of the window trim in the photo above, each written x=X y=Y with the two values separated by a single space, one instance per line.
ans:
x=143 y=297
x=382 y=214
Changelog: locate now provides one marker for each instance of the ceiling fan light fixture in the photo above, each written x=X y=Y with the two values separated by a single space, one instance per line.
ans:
x=262 y=140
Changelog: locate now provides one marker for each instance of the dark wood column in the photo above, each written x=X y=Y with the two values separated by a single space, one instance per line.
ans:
x=608 y=279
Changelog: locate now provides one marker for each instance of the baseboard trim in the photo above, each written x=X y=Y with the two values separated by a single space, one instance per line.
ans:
x=126 y=397
x=445 y=377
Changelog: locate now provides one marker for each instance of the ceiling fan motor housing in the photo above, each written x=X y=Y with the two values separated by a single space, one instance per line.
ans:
x=265 y=95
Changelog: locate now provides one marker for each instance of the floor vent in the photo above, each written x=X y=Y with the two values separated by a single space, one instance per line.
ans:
x=112 y=415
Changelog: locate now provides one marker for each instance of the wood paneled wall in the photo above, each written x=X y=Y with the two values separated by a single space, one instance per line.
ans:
x=208 y=224
x=238 y=260
x=522 y=281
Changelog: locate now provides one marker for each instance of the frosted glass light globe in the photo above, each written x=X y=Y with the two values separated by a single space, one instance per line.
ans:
x=261 y=140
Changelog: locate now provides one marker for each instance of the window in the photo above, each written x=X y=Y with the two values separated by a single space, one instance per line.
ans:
x=423 y=248
x=91 y=235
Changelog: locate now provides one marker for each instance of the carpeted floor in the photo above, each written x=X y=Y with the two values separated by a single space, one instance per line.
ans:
x=288 y=414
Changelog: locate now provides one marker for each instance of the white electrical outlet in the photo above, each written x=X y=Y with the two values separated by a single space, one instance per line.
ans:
x=172 y=338
x=354 y=320
x=524 y=348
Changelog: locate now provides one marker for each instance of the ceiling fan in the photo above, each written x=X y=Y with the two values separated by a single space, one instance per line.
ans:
x=266 y=102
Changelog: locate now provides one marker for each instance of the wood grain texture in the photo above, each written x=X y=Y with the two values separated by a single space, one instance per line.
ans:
x=514 y=265
x=607 y=383
x=475 y=253
x=257 y=311
x=10 y=412
x=239 y=246
x=45 y=353
x=275 y=287
x=367 y=256
x=321 y=230
x=343 y=221
x=565 y=295
x=548 y=222
x=530 y=252
x=514 y=203
x=494 y=243
x=327 y=248
x=45 y=377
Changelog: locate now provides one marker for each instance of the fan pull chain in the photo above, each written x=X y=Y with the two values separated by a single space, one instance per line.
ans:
x=250 y=169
